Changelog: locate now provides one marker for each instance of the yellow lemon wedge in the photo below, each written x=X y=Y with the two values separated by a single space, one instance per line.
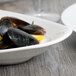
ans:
x=38 y=37
x=1 y=38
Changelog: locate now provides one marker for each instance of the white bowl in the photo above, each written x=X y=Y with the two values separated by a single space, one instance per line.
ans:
x=68 y=17
x=54 y=33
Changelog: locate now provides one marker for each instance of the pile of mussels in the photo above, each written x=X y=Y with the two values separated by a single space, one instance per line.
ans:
x=17 y=33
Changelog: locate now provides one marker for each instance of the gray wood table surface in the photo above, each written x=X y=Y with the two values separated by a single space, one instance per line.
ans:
x=58 y=60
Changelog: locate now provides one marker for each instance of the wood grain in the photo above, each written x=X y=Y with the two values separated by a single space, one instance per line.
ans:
x=58 y=60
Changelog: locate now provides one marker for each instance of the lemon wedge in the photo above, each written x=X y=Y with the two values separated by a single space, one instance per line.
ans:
x=38 y=37
x=1 y=38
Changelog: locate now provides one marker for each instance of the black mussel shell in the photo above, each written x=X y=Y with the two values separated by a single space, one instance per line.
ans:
x=6 y=45
x=21 y=38
x=6 y=42
x=33 y=29
x=16 y=21
x=4 y=25
x=6 y=38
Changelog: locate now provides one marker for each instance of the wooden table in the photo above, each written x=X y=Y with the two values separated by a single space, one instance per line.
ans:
x=59 y=60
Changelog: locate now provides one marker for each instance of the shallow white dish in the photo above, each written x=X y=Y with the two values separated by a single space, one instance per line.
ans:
x=68 y=17
x=54 y=33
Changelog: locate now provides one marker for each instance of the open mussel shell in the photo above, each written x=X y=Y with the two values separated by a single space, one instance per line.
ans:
x=16 y=21
x=21 y=38
x=4 y=25
x=33 y=29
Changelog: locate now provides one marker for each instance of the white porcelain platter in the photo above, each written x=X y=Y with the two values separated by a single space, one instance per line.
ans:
x=54 y=33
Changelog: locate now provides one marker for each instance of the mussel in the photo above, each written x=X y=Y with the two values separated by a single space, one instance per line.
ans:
x=16 y=21
x=4 y=25
x=33 y=29
x=21 y=38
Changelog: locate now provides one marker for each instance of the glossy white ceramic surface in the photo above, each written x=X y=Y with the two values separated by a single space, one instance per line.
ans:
x=54 y=33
